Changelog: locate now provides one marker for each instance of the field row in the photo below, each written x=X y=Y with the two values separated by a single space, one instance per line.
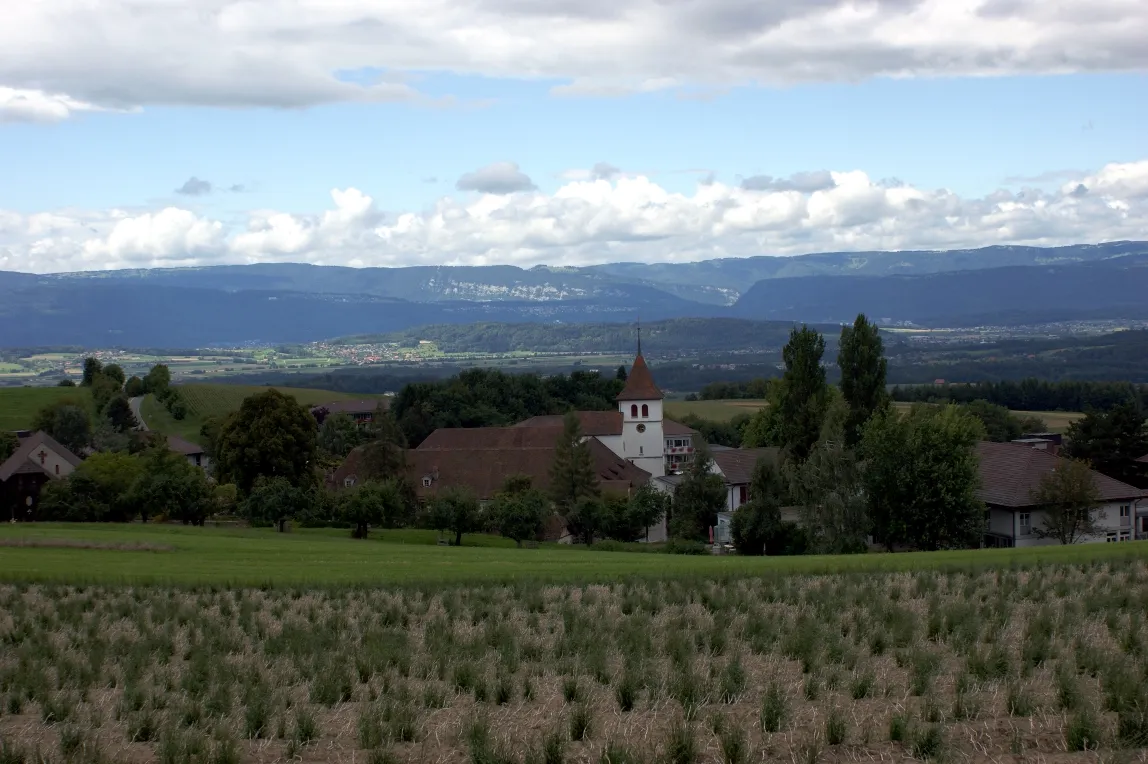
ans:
x=1047 y=663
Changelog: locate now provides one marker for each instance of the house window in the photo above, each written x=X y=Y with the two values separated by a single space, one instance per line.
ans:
x=1125 y=536
x=1125 y=516
x=742 y=495
x=1111 y=537
x=634 y=411
x=1025 y=524
x=349 y=481
x=426 y=482
x=57 y=469
x=645 y=411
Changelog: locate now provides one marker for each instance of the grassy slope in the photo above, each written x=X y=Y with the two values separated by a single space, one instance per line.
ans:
x=257 y=557
x=18 y=405
x=205 y=401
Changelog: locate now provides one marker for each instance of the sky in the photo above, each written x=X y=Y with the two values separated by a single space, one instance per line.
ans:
x=152 y=133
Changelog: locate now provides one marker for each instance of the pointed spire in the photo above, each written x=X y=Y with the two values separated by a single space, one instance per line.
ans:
x=640 y=384
x=639 y=336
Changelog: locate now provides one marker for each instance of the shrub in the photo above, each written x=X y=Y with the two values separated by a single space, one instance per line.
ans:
x=1082 y=732
x=773 y=708
x=929 y=742
x=682 y=745
x=581 y=721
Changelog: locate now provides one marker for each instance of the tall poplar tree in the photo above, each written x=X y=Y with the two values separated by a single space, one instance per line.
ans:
x=861 y=358
x=804 y=394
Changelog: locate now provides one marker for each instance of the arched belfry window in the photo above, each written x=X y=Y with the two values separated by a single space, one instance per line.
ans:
x=645 y=411
x=634 y=411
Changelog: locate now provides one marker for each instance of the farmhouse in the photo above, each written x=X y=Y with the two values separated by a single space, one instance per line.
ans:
x=363 y=412
x=1011 y=472
x=38 y=459
x=195 y=454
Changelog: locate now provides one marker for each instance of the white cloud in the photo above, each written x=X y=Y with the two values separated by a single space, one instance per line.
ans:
x=497 y=178
x=294 y=53
x=588 y=221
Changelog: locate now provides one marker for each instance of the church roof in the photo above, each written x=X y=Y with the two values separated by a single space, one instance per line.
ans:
x=640 y=384
x=19 y=461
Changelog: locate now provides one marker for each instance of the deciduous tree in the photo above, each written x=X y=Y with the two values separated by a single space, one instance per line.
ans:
x=380 y=504
x=114 y=372
x=274 y=501
x=921 y=476
x=456 y=511
x=757 y=522
x=861 y=358
x=1111 y=441
x=648 y=506
x=698 y=498
x=519 y=509
x=171 y=486
x=134 y=387
x=270 y=436
x=8 y=444
x=339 y=434
x=67 y=421
x=1071 y=501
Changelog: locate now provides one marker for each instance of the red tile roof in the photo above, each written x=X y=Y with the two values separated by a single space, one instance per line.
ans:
x=593 y=422
x=481 y=459
x=1011 y=472
x=737 y=464
x=670 y=427
x=640 y=384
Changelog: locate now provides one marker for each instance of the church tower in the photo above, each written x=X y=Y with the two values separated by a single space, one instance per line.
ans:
x=640 y=403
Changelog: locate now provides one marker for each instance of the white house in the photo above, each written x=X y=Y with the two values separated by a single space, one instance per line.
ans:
x=1011 y=472
x=38 y=459
x=195 y=455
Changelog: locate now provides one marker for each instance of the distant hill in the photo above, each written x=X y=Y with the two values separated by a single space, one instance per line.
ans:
x=1091 y=290
x=282 y=303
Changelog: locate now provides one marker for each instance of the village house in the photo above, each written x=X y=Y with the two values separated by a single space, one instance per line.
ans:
x=22 y=475
x=195 y=454
x=1011 y=472
x=363 y=412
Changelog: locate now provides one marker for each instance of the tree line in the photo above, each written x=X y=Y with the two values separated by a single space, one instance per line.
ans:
x=1030 y=394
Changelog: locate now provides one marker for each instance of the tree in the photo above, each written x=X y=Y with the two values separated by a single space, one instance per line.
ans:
x=106 y=439
x=111 y=477
x=456 y=511
x=829 y=488
x=764 y=427
x=585 y=516
x=8 y=444
x=271 y=436
x=385 y=427
x=158 y=381
x=921 y=477
x=92 y=369
x=380 y=504
x=572 y=475
x=114 y=372
x=803 y=394
x=274 y=501
x=519 y=509
x=617 y=519
x=339 y=434
x=1111 y=441
x=171 y=486
x=1070 y=498
x=103 y=389
x=648 y=506
x=999 y=424
x=119 y=414
x=65 y=382
x=67 y=422
x=134 y=387
x=757 y=523
x=698 y=498
x=861 y=358
x=621 y=374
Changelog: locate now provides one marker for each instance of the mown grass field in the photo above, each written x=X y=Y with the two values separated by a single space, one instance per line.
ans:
x=18 y=405
x=258 y=557
x=723 y=411
x=206 y=400
x=994 y=663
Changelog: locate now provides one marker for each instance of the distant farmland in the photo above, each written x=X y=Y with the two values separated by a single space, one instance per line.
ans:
x=206 y=401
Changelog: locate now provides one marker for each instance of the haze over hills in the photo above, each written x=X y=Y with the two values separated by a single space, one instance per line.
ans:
x=297 y=302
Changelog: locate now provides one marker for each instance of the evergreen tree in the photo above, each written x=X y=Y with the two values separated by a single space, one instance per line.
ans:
x=803 y=394
x=119 y=414
x=621 y=375
x=572 y=475
x=861 y=358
